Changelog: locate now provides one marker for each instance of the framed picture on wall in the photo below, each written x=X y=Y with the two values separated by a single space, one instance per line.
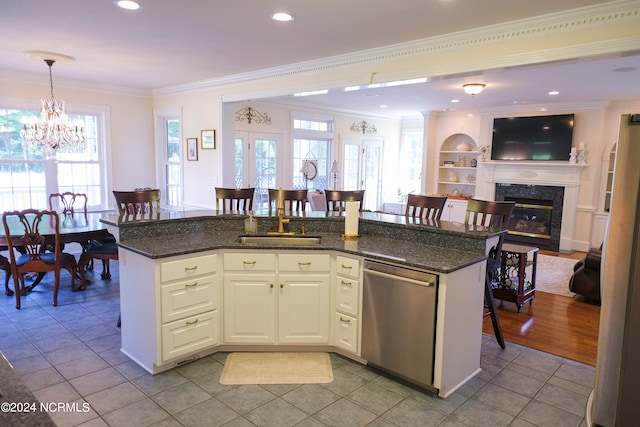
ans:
x=192 y=149
x=208 y=139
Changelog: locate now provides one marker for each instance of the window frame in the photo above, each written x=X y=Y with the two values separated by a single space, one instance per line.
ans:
x=52 y=183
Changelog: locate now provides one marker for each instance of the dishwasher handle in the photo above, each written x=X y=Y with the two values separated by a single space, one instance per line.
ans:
x=428 y=283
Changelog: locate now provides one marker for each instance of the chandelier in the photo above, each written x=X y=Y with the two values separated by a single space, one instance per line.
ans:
x=53 y=130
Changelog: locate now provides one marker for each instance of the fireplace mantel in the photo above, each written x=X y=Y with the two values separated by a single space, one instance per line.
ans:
x=561 y=174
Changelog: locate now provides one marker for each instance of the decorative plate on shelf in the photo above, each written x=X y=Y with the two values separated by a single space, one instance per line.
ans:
x=463 y=146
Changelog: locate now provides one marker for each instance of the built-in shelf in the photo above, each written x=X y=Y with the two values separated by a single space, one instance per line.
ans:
x=460 y=169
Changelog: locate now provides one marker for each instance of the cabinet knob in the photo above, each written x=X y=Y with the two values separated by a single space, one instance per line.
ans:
x=271 y=285
x=281 y=286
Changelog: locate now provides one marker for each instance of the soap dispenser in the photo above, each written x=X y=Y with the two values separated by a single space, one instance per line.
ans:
x=250 y=224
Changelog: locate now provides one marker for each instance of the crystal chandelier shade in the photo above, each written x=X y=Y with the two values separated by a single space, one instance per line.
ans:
x=53 y=130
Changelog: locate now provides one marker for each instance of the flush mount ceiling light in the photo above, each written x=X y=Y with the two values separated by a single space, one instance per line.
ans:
x=282 y=17
x=473 y=88
x=127 y=4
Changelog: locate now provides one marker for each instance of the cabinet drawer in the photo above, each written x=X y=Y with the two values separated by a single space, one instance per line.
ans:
x=349 y=267
x=189 y=335
x=189 y=267
x=188 y=298
x=250 y=262
x=304 y=262
x=346 y=332
x=347 y=295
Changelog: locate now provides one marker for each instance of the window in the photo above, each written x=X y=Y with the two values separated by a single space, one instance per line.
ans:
x=410 y=174
x=313 y=139
x=27 y=177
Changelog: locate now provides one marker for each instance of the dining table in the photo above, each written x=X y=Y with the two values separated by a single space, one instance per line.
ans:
x=81 y=228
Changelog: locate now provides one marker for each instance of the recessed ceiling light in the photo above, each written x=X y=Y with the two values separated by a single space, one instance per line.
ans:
x=384 y=106
x=554 y=92
x=282 y=17
x=127 y=4
x=455 y=100
x=312 y=92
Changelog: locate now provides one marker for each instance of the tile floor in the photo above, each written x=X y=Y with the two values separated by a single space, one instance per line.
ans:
x=70 y=353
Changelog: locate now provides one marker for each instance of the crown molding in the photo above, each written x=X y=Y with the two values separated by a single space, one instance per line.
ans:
x=37 y=79
x=586 y=18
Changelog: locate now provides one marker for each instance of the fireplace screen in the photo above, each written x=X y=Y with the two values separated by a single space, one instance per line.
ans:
x=532 y=220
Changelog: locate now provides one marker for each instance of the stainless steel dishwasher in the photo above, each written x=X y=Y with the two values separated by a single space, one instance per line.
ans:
x=399 y=320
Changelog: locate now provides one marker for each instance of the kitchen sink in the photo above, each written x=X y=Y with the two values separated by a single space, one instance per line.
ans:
x=296 y=240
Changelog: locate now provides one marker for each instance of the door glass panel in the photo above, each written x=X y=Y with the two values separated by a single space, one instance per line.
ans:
x=265 y=161
x=372 y=176
x=239 y=161
x=351 y=163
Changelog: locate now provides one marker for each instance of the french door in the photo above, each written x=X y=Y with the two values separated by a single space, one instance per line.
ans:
x=258 y=163
x=362 y=168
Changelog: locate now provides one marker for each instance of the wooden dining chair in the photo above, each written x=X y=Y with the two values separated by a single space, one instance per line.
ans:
x=137 y=202
x=5 y=266
x=427 y=207
x=234 y=199
x=68 y=202
x=293 y=200
x=36 y=260
x=495 y=215
x=336 y=199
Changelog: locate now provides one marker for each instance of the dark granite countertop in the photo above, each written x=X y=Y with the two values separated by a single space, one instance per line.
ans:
x=19 y=406
x=390 y=238
x=417 y=255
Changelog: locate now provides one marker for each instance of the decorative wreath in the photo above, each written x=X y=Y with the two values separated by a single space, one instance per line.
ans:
x=483 y=150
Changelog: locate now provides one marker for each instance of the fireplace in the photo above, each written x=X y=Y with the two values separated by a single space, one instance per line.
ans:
x=531 y=218
x=559 y=178
x=537 y=215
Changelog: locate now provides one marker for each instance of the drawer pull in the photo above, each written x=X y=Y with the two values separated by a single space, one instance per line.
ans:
x=301 y=264
x=192 y=322
x=342 y=319
x=349 y=267
x=191 y=285
x=194 y=268
x=345 y=283
x=249 y=262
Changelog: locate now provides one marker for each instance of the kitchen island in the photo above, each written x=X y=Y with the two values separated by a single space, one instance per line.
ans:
x=190 y=286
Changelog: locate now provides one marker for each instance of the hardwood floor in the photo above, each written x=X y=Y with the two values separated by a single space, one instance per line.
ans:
x=567 y=327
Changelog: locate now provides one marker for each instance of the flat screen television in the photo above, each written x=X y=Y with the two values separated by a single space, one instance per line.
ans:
x=539 y=138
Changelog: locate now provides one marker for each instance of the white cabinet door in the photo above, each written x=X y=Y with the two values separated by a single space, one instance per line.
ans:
x=454 y=210
x=188 y=336
x=347 y=295
x=250 y=308
x=346 y=332
x=303 y=312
